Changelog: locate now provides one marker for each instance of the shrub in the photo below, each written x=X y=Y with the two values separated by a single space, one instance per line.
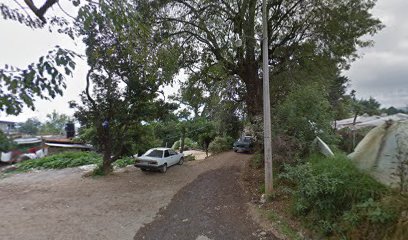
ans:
x=257 y=160
x=333 y=193
x=188 y=144
x=221 y=144
x=61 y=160
x=123 y=162
x=304 y=114
x=6 y=144
x=189 y=158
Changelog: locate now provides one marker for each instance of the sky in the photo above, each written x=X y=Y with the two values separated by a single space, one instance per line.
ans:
x=381 y=72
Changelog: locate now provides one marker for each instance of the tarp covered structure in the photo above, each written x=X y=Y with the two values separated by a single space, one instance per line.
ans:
x=384 y=153
x=369 y=121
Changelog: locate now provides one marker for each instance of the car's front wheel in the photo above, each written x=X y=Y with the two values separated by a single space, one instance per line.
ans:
x=164 y=168
x=181 y=161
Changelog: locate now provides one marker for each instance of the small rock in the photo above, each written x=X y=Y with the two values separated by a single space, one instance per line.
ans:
x=9 y=168
x=263 y=234
x=185 y=220
x=263 y=199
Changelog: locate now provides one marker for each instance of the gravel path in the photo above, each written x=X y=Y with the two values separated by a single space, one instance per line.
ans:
x=61 y=204
x=211 y=207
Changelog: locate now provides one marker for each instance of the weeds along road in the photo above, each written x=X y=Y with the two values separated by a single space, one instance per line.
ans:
x=199 y=200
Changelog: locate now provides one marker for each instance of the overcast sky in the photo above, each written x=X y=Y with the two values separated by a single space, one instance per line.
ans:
x=381 y=72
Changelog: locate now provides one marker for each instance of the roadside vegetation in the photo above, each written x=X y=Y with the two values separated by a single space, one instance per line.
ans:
x=68 y=160
x=335 y=198
x=134 y=48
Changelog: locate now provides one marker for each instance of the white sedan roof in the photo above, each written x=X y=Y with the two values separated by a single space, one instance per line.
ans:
x=161 y=148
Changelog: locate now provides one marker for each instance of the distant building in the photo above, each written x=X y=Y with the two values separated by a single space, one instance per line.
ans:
x=7 y=127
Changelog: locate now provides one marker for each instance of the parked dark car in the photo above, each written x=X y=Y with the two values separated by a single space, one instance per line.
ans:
x=244 y=144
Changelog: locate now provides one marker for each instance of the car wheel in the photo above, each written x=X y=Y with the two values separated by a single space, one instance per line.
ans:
x=181 y=161
x=164 y=168
x=235 y=150
x=143 y=169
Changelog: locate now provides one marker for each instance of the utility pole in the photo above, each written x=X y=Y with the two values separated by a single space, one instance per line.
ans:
x=266 y=104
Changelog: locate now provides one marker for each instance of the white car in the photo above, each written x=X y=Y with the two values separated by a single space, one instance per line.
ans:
x=159 y=159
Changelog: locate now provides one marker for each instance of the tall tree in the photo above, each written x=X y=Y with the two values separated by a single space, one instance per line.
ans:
x=31 y=126
x=127 y=68
x=55 y=123
x=210 y=30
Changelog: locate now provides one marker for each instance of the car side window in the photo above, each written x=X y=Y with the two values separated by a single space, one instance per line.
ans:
x=166 y=153
x=172 y=152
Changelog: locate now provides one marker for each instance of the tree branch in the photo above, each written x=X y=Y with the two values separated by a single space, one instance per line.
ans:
x=40 y=12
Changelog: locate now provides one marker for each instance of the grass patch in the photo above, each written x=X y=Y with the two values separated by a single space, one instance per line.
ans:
x=61 y=160
x=282 y=226
x=123 y=162
x=68 y=160
x=257 y=160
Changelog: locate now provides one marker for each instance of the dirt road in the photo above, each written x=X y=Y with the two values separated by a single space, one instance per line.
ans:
x=64 y=205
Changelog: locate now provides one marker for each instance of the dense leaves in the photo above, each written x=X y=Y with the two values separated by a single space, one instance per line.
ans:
x=55 y=123
x=299 y=31
x=31 y=126
x=6 y=144
x=337 y=198
x=127 y=69
x=44 y=79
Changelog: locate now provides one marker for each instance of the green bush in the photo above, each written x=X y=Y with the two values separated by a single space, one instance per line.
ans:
x=123 y=162
x=304 y=114
x=333 y=193
x=188 y=144
x=61 y=160
x=257 y=160
x=221 y=144
x=6 y=144
x=189 y=158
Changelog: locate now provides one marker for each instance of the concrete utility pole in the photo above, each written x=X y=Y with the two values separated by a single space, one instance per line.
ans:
x=266 y=104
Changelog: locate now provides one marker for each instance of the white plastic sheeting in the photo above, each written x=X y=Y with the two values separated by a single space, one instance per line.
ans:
x=369 y=121
x=382 y=150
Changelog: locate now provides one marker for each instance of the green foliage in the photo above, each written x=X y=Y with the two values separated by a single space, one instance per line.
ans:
x=69 y=160
x=6 y=144
x=333 y=35
x=392 y=111
x=221 y=144
x=189 y=158
x=45 y=80
x=257 y=160
x=188 y=144
x=332 y=194
x=128 y=66
x=55 y=123
x=370 y=106
x=31 y=126
x=305 y=114
x=61 y=160
x=123 y=162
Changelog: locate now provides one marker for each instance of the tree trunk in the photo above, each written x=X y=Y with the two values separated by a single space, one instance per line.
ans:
x=107 y=163
x=183 y=135
x=253 y=97
x=107 y=152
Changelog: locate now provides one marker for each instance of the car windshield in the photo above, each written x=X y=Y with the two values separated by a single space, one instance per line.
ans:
x=247 y=139
x=154 y=153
